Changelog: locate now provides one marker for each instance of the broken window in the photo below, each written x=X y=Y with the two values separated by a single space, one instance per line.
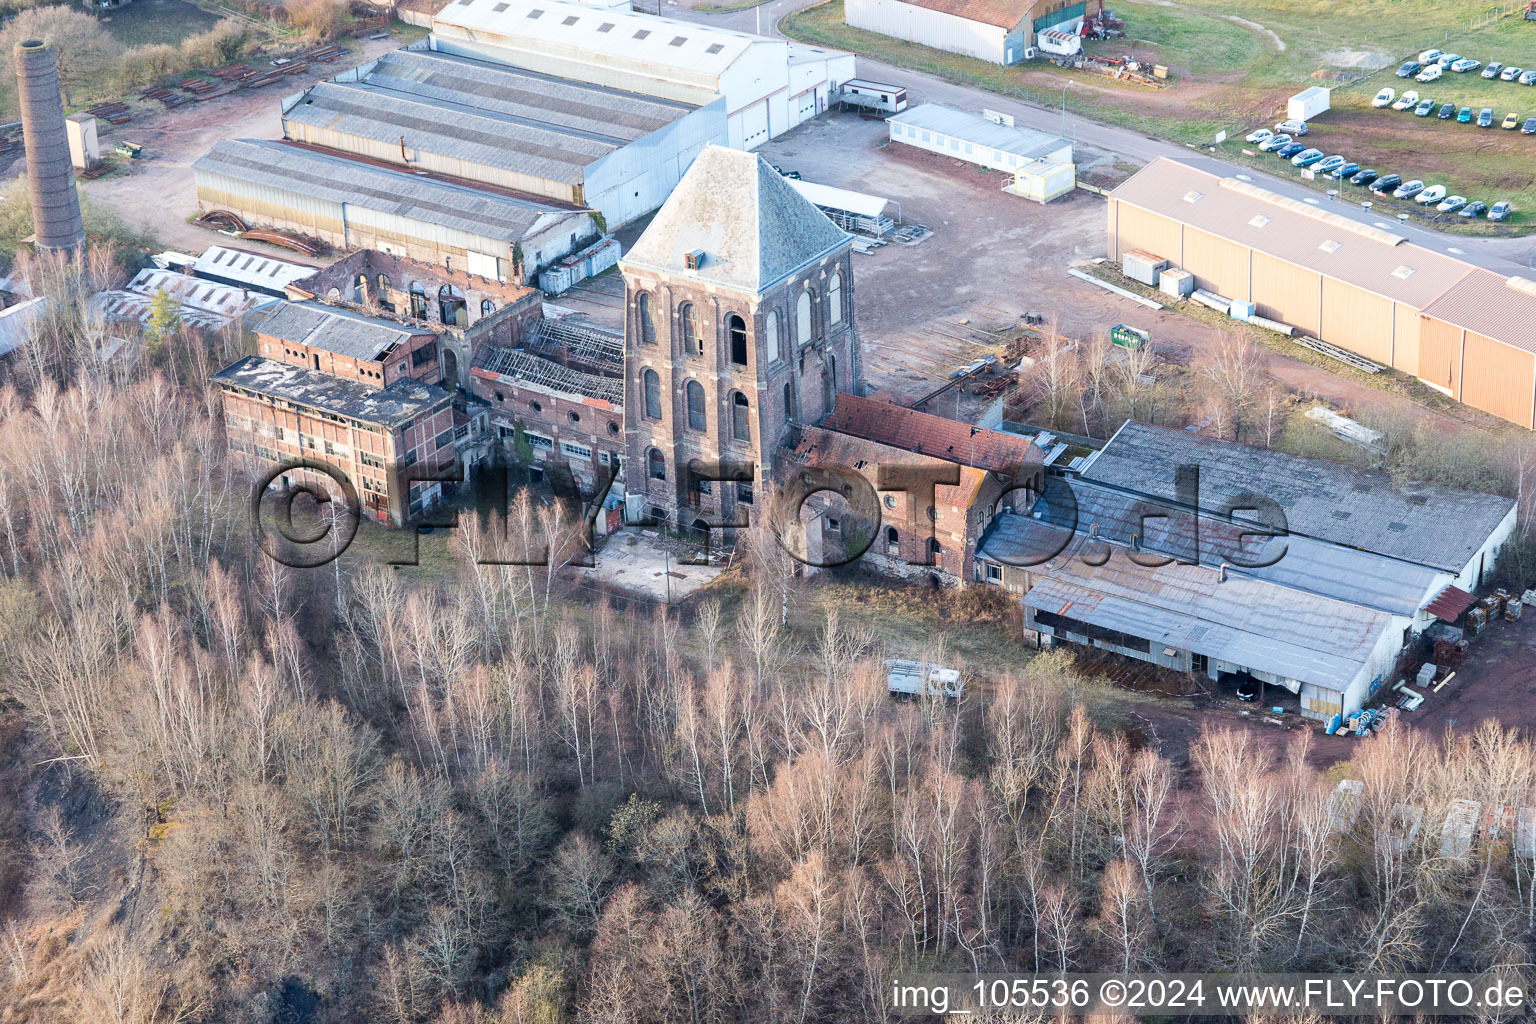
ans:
x=657 y=464
x=647 y=322
x=688 y=322
x=736 y=330
x=835 y=298
x=695 y=405
x=652 y=395
x=739 y=412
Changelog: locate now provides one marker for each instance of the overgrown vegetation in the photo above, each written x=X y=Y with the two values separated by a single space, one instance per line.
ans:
x=241 y=792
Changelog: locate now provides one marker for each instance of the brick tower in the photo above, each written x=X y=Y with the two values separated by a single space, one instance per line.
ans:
x=738 y=325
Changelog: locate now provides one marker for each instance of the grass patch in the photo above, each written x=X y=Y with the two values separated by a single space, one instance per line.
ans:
x=1191 y=41
x=146 y=22
x=822 y=25
x=739 y=5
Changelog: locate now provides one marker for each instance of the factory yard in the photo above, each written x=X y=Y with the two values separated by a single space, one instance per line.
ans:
x=173 y=139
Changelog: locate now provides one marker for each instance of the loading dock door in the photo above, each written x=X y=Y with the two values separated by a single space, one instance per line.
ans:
x=754 y=125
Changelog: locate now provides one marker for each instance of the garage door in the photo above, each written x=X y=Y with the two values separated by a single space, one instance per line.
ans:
x=754 y=125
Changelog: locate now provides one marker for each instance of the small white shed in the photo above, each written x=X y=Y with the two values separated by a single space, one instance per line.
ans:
x=1307 y=104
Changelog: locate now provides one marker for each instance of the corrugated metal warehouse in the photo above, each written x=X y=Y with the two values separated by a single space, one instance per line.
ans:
x=1117 y=559
x=1337 y=274
x=1001 y=31
x=617 y=152
x=672 y=59
x=352 y=204
x=975 y=139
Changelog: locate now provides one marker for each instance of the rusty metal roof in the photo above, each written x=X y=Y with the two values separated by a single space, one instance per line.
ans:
x=935 y=436
x=1000 y=13
x=1450 y=603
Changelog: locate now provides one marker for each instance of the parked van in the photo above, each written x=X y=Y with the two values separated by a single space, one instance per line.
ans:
x=906 y=679
x=1430 y=73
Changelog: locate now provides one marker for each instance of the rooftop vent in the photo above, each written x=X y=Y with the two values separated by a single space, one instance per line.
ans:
x=693 y=259
x=678 y=40
x=1193 y=197
x=1340 y=513
x=606 y=26
x=1362 y=486
x=535 y=13
x=1259 y=220
x=1419 y=499
x=714 y=48
x=1329 y=246
x=1404 y=273
x=500 y=7
x=642 y=33
x=1397 y=527
x=571 y=20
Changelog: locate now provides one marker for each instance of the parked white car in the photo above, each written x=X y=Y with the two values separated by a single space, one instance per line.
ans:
x=1429 y=55
x=1296 y=128
x=1429 y=74
x=1260 y=135
x=1433 y=194
x=1407 y=101
x=1451 y=203
x=1384 y=98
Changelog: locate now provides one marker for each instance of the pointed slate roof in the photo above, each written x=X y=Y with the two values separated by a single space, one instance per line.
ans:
x=752 y=227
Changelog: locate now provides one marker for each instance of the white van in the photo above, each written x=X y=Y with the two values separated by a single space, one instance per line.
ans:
x=921 y=679
x=1430 y=73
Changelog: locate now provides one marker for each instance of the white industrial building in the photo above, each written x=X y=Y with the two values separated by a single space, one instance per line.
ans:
x=1316 y=585
x=1000 y=31
x=769 y=85
x=610 y=150
x=986 y=141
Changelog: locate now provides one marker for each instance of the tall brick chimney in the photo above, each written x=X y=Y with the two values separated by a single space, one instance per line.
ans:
x=50 y=172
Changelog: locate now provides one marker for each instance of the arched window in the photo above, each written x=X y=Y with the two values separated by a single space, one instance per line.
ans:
x=771 y=335
x=695 y=405
x=656 y=464
x=451 y=306
x=383 y=283
x=933 y=547
x=892 y=538
x=334 y=295
x=652 y=395
x=835 y=298
x=418 y=301
x=487 y=307
x=360 y=289
x=647 y=321
x=739 y=413
x=803 y=319
x=736 y=331
x=789 y=401
x=688 y=320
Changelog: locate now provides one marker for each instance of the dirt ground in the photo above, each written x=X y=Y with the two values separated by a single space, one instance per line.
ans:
x=156 y=190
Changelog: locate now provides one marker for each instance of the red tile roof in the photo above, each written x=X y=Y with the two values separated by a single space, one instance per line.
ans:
x=934 y=436
x=1449 y=605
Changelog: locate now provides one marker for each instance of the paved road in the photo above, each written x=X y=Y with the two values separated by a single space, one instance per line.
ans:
x=1127 y=144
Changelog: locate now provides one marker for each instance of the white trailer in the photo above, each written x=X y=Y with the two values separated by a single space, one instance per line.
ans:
x=1308 y=103
x=922 y=679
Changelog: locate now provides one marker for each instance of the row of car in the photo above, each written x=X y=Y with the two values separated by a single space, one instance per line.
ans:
x=1432 y=63
x=1425 y=107
x=1342 y=169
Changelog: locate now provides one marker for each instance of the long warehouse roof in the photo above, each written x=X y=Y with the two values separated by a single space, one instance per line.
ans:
x=1340 y=504
x=962 y=124
x=999 y=13
x=307 y=172
x=1310 y=232
x=1248 y=622
x=502 y=89
x=504 y=141
x=590 y=33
